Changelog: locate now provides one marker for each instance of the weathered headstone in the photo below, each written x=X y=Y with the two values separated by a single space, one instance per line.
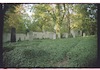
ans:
x=13 y=34
x=66 y=35
x=27 y=36
x=54 y=36
x=80 y=32
x=84 y=34
x=30 y=36
x=73 y=33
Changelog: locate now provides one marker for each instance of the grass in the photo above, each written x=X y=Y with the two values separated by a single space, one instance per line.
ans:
x=70 y=52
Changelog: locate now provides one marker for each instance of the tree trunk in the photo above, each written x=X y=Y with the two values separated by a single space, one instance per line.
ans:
x=68 y=20
x=98 y=20
x=13 y=34
x=1 y=34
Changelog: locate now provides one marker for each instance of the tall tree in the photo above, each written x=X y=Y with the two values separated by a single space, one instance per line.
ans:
x=87 y=17
x=11 y=21
x=41 y=17
x=56 y=14
x=1 y=33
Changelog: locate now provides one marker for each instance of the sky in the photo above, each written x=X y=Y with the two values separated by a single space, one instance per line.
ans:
x=27 y=7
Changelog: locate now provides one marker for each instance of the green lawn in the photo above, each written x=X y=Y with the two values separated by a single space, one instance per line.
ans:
x=70 y=52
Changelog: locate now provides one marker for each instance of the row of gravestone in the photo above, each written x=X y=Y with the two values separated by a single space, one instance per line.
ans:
x=37 y=35
x=30 y=36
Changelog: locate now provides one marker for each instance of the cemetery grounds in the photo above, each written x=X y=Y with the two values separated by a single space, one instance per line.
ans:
x=70 y=52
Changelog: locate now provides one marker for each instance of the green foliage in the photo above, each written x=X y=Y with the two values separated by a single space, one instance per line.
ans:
x=34 y=53
x=7 y=49
x=41 y=18
x=13 y=18
x=87 y=21
x=46 y=16
x=81 y=55
x=70 y=52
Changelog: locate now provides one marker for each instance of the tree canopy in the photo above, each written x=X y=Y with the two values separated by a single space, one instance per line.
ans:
x=59 y=18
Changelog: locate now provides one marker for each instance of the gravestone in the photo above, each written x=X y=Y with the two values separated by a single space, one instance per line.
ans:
x=59 y=35
x=27 y=36
x=30 y=35
x=35 y=35
x=54 y=36
x=73 y=33
x=66 y=35
x=13 y=34
x=84 y=34
x=80 y=32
